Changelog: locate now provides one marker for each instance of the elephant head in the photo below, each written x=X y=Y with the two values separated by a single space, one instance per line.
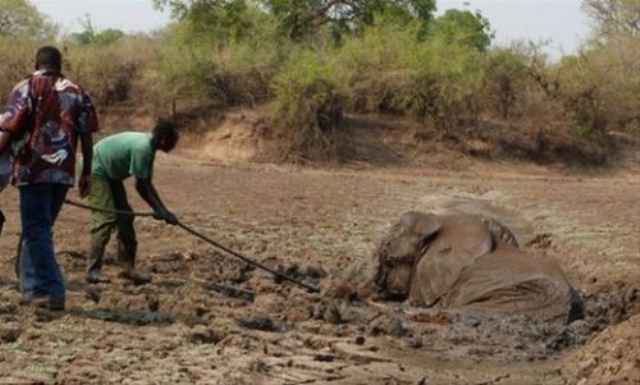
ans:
x=400 y=250
x=421 y=256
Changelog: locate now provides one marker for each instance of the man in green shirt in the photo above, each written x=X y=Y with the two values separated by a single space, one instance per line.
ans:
x=115 y=158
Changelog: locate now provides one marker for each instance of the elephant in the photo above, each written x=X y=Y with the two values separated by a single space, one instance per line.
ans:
x=464 y=261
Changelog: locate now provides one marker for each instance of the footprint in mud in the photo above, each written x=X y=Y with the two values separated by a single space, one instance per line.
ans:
x=126 y=316
x=264 y=324
x=230 y=291
x=7 y=283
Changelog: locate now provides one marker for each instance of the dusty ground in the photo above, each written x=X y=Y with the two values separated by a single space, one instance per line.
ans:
x=209 y=320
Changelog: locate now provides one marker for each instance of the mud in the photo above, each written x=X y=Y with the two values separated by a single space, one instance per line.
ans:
x=209 y=319
x=340 y=338
x=611 y=358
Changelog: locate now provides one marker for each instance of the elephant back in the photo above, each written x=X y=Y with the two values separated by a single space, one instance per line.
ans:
x=509 y=281
x=461 y=240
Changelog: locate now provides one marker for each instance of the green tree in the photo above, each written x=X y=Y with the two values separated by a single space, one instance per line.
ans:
x=615 y=17
x=90 y=36
x=20 y=18
x=303 y=18
x=221 y=19
x=108 y=36
x=297 y=19
x=88 y=33
x=463 y=27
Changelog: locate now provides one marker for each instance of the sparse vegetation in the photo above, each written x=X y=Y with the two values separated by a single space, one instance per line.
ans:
x=314 y=61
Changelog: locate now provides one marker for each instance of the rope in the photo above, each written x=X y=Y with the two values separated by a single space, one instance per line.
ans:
x=204 y=238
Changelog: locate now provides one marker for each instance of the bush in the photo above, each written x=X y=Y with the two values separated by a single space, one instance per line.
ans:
x=602 y=86
x=308 y=106
x=505 y=79
x=112 y=73
x=16 y=56
x=391 y=70
x=228 y=71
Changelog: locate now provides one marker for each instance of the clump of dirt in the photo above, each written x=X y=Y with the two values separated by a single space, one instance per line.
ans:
x=612 y=305
x=230 y=291
x=127 y=316
x=611 y=358
x=10 y=332
x=263 y=323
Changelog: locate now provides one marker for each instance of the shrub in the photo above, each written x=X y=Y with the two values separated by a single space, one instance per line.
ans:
x=225 y=70
x=602 y=86
x=391 y=70
x=504 y=81
x=112 y=73
x=16 y=56
x=308 y=106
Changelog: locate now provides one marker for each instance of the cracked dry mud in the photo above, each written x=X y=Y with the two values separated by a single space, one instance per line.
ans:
x=209 y=319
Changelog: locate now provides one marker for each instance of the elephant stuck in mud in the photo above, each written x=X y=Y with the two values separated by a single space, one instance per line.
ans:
x=462 y=261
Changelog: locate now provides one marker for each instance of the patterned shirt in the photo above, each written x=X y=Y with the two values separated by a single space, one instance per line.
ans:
x=45 y=115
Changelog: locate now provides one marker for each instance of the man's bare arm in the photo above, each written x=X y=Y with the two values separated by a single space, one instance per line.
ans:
x=5 y=141
x=84 y=184
x=86 y=141
x=149 y=194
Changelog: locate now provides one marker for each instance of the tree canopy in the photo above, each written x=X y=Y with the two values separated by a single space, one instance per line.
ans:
x=90 y=36
x=20 y=18
x=615 y=17
x=301 y=18
x=465 y=27
x=297 y=19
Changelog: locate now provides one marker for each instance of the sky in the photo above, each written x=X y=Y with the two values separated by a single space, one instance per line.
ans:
x=561 y=23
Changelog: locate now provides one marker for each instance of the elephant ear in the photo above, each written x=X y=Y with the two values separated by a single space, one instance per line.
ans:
x=407 y=237
x=427 y=225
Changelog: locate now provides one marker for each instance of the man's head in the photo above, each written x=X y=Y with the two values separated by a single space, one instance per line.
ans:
x=48 y=58
x=165 y=135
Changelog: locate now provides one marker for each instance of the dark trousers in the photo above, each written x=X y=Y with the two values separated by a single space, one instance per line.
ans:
x=40 y=274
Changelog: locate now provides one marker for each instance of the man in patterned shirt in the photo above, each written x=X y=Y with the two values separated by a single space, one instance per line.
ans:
x=46 y=116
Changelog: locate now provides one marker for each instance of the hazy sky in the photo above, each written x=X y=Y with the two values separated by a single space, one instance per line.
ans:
x=560 y=21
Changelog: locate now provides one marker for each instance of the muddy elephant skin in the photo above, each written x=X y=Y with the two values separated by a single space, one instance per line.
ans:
x=469 y=261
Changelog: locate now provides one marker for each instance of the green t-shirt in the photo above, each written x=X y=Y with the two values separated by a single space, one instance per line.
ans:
x=122 y=155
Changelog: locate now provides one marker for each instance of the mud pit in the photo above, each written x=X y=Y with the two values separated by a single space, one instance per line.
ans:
x=211 y=320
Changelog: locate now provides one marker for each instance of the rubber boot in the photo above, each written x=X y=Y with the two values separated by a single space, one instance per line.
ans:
x=127 y=257
x=94 y=266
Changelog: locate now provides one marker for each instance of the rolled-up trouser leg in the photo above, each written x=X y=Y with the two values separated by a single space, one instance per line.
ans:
x=127 y=243
x=102 y=223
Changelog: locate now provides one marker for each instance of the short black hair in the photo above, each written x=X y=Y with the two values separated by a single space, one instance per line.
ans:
x=49 y=56
x=166 y=128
